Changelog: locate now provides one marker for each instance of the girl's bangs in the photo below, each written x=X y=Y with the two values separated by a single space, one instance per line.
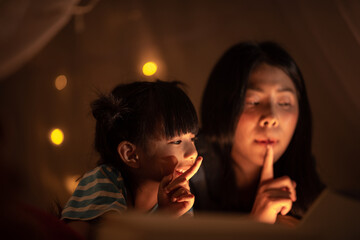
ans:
x=174 y=110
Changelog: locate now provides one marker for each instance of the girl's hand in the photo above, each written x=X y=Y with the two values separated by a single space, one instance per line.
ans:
x=174 y=195
x=274 y=196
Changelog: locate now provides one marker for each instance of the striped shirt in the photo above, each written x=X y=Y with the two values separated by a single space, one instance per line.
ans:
x=99 y=191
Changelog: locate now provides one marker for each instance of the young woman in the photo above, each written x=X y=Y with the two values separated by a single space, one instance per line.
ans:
x=256 y=136
x=145 y=137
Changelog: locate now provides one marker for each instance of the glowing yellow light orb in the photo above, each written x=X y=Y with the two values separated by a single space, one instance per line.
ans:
x=57 y=136
x=149 y=68
x=60 y=82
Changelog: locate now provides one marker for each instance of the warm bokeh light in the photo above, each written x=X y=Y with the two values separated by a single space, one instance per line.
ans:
x=60 y=82
x=149 y=68
x=56 y=136
x=71 y=183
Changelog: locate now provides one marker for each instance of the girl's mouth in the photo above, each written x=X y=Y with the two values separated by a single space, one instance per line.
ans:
x=179 y=172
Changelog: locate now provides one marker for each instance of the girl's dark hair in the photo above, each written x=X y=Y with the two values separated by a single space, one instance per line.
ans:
x=222 y=105
x=139 y=111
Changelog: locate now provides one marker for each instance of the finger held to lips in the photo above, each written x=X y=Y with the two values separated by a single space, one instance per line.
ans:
x=183 y=179
x=193 y=169
x=267 y=172
x=165 y=181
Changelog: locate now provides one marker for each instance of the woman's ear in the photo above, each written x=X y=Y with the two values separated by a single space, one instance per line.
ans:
x=128 y=155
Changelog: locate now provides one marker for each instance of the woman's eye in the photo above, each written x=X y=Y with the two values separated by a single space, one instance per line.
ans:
x=194 y=139
x=176 y=142
x=284 y=104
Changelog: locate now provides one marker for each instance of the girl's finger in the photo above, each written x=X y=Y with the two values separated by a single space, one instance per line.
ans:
x=166 y=180
x=179 y=192
x=185 y=198
x=179 y=182
x=183 y=180
x=193 y=169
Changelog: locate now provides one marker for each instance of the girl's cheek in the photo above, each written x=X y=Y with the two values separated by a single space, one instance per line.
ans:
x=168 y=164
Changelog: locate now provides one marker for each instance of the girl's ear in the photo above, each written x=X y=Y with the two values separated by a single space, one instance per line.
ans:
x=128 y=155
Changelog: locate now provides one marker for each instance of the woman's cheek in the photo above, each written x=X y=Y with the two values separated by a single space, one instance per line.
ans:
x=290 y=121
x=279 y=152
x=288 y=125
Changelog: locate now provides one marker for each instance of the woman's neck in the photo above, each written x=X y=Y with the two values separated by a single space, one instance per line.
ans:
x=246 y=173
x=247 y=179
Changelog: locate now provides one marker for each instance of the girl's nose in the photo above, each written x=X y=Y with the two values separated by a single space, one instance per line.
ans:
x=190 y=151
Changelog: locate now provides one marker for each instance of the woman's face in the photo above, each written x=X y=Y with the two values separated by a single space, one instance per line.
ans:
x=269 y=116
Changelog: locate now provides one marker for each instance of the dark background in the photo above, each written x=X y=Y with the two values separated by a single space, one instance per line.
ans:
x=109 y=45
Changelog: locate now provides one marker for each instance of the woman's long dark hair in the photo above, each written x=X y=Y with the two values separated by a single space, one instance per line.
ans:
x=137 y=112
x=222 y=104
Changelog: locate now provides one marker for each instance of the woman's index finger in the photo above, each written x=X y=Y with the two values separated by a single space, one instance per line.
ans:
x=193 y=169
x=267 y=171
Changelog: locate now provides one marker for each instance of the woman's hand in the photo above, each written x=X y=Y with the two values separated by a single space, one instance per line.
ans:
x=274 y=196
x=174 y=195
x=287 y=221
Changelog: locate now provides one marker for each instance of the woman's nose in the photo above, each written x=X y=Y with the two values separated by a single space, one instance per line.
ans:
x=269 y=119
x=269 y=122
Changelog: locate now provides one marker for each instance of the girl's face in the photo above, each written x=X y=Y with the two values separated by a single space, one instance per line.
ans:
x=165 y=156
x=270 y=116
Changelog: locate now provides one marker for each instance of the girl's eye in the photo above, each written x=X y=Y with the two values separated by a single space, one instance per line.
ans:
x=176 y=142
x=194 y=139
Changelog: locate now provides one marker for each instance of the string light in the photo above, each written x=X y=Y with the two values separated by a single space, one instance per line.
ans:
x=60 y=82
x=57 y=136
x=149 y=68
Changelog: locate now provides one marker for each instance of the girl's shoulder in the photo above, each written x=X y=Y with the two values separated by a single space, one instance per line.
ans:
x=102 y=173
x=113 y=174
x=99 y=191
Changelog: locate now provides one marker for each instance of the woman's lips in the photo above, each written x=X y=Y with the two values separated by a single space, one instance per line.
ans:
x=266 y=141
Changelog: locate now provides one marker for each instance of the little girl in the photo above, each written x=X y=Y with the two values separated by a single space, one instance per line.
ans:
x=145 y=137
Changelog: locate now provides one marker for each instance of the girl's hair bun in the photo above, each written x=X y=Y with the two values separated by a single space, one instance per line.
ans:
x=106 y=109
